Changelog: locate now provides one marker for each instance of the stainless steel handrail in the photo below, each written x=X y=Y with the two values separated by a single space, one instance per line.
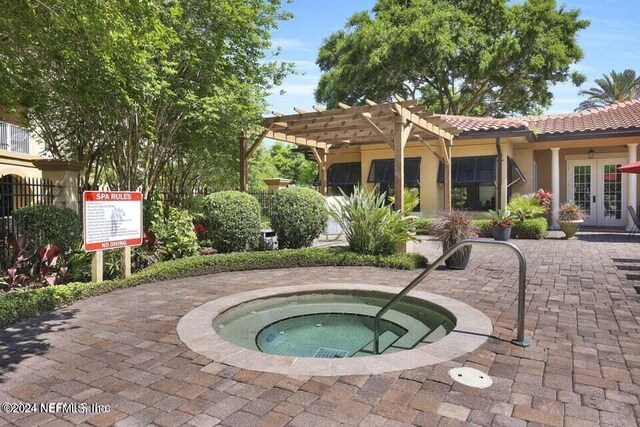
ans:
x=522 y=284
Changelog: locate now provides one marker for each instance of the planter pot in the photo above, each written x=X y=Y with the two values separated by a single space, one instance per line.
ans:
x=501 y=234
x=570 y=228
x=459 y=260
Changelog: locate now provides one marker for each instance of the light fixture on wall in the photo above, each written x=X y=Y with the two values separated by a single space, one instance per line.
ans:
x=591 y=153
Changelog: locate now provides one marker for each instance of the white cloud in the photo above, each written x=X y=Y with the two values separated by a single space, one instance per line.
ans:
x=291 y=45
x=297 y=89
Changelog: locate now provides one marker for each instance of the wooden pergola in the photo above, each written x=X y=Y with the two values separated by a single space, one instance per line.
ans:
x=327 y=132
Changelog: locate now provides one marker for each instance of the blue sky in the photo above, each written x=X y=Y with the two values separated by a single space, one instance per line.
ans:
x=611 y=42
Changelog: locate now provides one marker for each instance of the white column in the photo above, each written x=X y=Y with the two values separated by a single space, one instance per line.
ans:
x=555 y=187
x=632 y=184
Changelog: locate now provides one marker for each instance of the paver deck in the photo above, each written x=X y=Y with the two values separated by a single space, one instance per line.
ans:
x=122 y=350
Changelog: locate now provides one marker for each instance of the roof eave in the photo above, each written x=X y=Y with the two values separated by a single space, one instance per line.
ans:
x=604 y=133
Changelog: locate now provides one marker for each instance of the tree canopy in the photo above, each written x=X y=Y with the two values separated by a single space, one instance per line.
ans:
x=280 y=161
x=611 y=88
x=143 y=93
x=474 y=57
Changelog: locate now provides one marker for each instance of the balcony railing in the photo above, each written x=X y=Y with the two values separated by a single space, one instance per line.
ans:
x=14 y=138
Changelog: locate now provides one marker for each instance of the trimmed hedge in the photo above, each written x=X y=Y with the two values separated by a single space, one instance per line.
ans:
x=20 y=305
x=535 y=228
x=49 y=224
x=233 y=220
x=423 y=225
x=298 y=216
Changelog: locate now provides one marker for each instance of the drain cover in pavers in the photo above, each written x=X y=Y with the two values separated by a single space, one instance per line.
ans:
x=471 y=377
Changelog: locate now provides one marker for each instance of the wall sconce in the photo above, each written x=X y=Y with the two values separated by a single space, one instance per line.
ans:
x=591 y=153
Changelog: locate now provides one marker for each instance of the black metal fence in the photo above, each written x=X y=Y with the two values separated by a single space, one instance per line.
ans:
x=16 y=193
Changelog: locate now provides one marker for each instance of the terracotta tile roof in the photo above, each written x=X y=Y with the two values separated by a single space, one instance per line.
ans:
x=620 y=116
x=623 y=115
x=474 y=124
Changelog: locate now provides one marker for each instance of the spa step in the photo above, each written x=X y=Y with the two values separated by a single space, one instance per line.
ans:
x=431 y=335
x=387 y=338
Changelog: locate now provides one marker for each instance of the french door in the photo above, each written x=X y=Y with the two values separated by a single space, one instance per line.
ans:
x=599 y=189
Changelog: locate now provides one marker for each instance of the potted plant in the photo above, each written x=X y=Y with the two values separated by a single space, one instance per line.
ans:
x=570 y=219
x=451 y=227
x=501 y=221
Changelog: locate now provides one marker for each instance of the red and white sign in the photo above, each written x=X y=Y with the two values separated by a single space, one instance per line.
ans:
x=112 y=219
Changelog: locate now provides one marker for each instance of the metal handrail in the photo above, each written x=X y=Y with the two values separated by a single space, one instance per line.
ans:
x=522 y=284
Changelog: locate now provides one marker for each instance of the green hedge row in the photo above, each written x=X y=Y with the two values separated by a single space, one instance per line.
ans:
x=19 y=305
x=535 y=228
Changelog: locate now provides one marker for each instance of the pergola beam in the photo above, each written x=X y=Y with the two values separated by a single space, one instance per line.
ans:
x=298 y=140
x=367 y=118
x=408 y=116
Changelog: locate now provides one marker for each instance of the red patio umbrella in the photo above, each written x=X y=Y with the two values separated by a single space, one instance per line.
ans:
x=630 y=168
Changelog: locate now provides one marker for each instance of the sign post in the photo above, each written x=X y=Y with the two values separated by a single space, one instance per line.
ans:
x=111 y=219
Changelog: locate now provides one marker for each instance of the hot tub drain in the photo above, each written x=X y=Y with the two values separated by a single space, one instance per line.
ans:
x=471 y=377
x=331 y=353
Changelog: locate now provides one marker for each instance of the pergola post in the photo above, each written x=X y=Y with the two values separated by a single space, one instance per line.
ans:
x=244 y=163
x=446 y=155
x=401 y=132
x=323 y=167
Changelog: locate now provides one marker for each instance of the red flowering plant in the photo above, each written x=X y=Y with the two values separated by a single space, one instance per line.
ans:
x=544 y=198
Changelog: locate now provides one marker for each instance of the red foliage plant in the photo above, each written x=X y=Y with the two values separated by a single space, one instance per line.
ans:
x=544 y=197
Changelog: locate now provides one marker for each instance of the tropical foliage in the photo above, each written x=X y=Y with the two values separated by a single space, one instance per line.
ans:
x=526 y=206
x=369 y=224
x=474 y=57
x=612 y=88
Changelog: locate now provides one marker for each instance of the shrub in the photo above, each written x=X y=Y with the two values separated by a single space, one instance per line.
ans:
x=49 y=224
x=485 y=227
x=233 y=220
x=19 y=305
x=298 y=215
x=534 y=228
x=173 y=229
x=369 y=225
x=424 y=226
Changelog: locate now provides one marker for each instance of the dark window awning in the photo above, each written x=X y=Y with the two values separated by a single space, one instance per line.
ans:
x=515 y=174
x=344 y=174
x=383 y=172
x=471 y=170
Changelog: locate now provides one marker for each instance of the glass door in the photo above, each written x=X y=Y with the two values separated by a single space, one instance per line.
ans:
x=582 y=188
x=612 y=206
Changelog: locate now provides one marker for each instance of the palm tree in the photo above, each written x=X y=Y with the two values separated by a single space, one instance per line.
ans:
x=612 y=88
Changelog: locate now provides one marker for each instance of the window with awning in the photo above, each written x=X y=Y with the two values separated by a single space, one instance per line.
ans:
x=342 y=176
x=382 y=172
x=471 y=170
x=473 y=181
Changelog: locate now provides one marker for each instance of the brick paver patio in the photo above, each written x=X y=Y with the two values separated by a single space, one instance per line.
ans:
x=583 y=367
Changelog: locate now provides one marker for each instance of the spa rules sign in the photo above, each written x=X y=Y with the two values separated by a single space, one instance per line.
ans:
x=112 y=219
